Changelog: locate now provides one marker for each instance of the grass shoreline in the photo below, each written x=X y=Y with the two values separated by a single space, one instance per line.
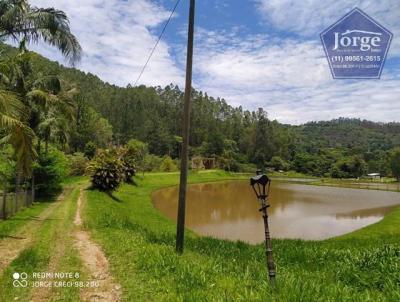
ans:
x=139 y=242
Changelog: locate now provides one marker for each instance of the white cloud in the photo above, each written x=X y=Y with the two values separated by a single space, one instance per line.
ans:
x=309 y=18
x=116 y=39
x=290 y=79
x=371 y=100
x=255 y=62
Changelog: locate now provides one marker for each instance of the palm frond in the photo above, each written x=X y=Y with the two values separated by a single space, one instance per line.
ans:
x=8 y=122
x=21 y=137
x=10 y=105
x=12 y=17
x=48 y=83
x=38 y=97
x=52 y=26
x=26 y=24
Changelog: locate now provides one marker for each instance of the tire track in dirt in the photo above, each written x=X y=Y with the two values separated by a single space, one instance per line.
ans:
x=10 y=248
x=95 y=262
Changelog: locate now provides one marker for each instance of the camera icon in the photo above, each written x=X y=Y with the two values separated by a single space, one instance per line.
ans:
x=20 y=279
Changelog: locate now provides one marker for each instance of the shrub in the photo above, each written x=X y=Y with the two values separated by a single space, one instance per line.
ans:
x=151 y=163
x=77 y=164
x=247 y=168
x=128 y=163
x=49 y=171
x=349 y=167
x=7 y=169
x=90 y=150
x=168 y=165
x=107 y=170
x=229 y=164
x=137 y=150
x=278 y=163
x=395 y=163
x=128 y=171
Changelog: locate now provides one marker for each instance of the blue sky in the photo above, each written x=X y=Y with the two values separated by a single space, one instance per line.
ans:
x=255 y=53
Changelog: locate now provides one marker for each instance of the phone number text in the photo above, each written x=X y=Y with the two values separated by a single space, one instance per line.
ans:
x=341 y=59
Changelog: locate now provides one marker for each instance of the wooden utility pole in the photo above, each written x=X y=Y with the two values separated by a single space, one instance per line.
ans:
x=180 y=227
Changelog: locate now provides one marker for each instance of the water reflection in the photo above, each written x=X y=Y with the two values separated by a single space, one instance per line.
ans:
x=229 y=210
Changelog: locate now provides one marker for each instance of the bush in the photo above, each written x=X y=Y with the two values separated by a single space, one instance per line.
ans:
x=278 y=163
x=137 y=150
x=7 y=169
x=77 y=164
x=395 y=163
x=128 y=163
x=49 y=171
x=229 y=164
x=247 y=168
x=349 y=167
x=168 y=165
x=128 y=171
x=107 y=171
x=90 y=150
x=152 y=163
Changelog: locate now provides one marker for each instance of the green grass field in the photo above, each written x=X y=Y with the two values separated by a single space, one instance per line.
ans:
x=8 y=227
x=51 y=249
x=140 y=245
x=139 y=242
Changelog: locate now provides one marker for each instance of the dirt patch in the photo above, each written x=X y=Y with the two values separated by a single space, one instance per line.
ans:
x=96 y=264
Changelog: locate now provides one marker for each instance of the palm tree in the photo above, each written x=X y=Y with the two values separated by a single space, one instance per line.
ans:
x=37 y=110
x=56 y=111
x=25 y=24
x=54 y=127
x=12 y=114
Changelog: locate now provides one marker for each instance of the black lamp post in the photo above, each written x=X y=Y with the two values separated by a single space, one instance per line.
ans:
x=261 y=184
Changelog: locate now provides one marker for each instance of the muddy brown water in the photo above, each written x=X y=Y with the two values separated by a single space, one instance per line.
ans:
x=229 y=210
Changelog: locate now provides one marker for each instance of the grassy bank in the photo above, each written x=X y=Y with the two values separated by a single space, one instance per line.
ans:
x=12 y=224
x=384 y=185
x=139 y=242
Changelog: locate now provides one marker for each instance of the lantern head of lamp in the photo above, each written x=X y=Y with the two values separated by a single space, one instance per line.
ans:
x=261 y=184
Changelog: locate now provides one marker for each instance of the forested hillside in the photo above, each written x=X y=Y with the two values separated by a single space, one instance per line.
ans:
x=342 y=144
x=108 y=114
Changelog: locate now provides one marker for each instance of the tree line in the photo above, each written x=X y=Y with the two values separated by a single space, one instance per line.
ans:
x=235 y=136
x=44 y=106
x=106 y=114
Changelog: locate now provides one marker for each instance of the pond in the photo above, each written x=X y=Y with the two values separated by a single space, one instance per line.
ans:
x=229 y=210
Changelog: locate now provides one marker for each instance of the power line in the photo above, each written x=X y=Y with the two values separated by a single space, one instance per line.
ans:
x=155 y=46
